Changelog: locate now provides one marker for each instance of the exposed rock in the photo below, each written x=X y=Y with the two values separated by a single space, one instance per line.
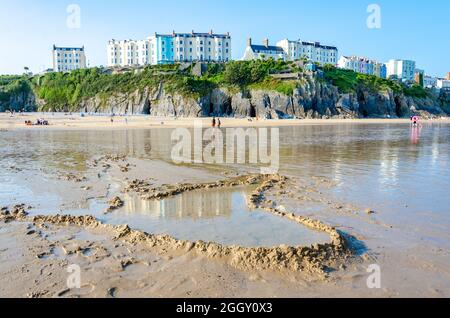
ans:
x=313 y=98
x=115 y=203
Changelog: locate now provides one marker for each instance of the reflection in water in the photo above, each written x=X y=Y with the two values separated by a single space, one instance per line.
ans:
x=403 y=169
x=205 y=204
x=219 y=215
x=415 y=133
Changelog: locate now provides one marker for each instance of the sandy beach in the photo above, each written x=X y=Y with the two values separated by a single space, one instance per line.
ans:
x=60 y=121
x=98 y=179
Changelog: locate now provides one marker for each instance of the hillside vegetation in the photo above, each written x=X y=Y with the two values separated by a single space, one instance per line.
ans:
x=12 y=86
x=349 y=82
x=65 y=91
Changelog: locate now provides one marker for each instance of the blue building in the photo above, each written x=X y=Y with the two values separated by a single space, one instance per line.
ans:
x=189 y=47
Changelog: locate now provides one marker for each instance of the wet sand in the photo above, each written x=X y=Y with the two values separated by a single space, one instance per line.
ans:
x=36 y=250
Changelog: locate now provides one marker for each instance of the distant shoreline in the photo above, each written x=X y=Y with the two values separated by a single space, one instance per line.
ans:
x=62 y=121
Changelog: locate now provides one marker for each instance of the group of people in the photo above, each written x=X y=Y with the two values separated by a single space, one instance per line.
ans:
x=217 y=122
x=39 y=122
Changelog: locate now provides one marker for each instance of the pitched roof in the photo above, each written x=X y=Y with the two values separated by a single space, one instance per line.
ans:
x=318 y=45
x=267 y=48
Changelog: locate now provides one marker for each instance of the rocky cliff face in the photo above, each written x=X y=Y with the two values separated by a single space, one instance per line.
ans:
x=313 y=99
x=22 y=101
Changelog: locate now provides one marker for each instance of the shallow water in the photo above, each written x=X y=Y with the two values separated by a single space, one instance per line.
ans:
x=220 y=216
x=401 y=172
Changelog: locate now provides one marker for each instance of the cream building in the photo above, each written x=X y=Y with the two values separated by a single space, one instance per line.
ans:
x=402 y=69
x=312 y=51
x=66 y=59
x=128 y=53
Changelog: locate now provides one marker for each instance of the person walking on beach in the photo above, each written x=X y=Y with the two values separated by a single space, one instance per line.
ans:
x=214 y=122
x=219 y=124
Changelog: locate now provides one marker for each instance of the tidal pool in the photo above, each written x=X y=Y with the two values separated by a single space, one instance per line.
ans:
x=220 y=216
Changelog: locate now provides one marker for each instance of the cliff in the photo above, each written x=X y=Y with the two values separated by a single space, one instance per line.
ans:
x=237 y=89
x=314 y=99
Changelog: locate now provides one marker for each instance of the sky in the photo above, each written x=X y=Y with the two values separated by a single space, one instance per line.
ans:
x=416 y=30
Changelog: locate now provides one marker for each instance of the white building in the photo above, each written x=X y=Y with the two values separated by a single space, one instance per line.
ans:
x=129 y=53
x=443 y=84
x=362 y=65
x=189 y=47
x=66 y=59
x=402 y=69
x=429 y=81
x=263 y=52
x=312 y=51
x=170 y=48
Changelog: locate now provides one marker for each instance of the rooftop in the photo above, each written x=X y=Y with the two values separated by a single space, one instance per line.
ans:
x=315 y=44
x=266 y=48
x=196 y=34
x=68 y=48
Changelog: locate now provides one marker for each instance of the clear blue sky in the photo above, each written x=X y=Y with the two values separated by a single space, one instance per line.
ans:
x=415 y=30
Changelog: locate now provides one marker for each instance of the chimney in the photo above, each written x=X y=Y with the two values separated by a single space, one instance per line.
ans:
x=249 y=41
x=266 y=42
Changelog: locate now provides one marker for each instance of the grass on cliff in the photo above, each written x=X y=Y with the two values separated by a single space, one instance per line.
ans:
x=65 y=91
x=12 y=85
x=349 y=82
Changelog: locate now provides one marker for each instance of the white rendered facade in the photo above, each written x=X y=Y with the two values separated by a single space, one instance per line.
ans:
x=429 y=81
x=190 y=47
x=263 y=52
x=313 y=51
x=362 y=65
x=403 y=69
x=66 y=59
x=170 y=48
x=442 y=83
x=129 y=53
